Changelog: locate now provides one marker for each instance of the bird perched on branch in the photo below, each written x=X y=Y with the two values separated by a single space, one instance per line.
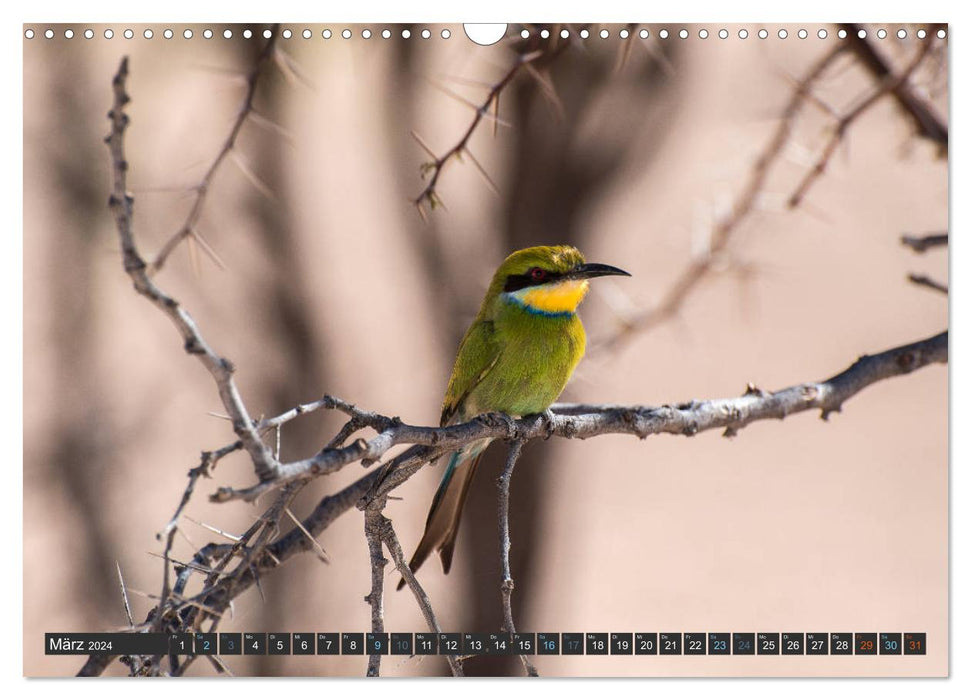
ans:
x=515 y=358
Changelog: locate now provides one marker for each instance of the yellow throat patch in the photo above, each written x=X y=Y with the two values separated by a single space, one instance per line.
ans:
x=557 y=298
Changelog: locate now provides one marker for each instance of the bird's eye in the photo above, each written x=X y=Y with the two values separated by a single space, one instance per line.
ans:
x=537 y=274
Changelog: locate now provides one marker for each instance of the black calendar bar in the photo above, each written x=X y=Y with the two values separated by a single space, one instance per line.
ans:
x=631 y=644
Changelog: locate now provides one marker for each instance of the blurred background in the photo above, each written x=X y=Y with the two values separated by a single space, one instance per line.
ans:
x=631 y=149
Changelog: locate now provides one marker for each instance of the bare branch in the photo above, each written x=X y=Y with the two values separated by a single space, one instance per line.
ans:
x=742 y=207
x=398 y=555
x=889 y=85
x=920 y=244
x=221 y=369
x=928 y=122
x=925 y=281
x=488 y=108
x=374 y=523
x=507 y=585
x=202 y=189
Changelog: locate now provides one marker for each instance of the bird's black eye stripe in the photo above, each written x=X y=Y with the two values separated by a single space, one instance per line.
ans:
x=517 y=282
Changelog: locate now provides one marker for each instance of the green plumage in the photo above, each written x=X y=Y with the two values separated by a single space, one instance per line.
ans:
x=515 y=358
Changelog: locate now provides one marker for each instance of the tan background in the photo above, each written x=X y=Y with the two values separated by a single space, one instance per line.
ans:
x=334 y=284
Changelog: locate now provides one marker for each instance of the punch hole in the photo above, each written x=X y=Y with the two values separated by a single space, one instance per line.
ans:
x=604 y=33
x=109 y=33
x=624 y=33
x=227 y=34
x=425 y=34
x=287 y=34
x=49 y=34
x=405 y=33
x=29 y=34
x=446 y=34
x=763 y=34
x=743 y=33
x=783 y=34
x=487 y=34
x=921 y=34
x=861 y=34
x=327 y=34
x=564 y=34
x=524 y=34
x=247 y=34
x=545 y=34
x=148 y=34
x=366 y=33
x=89 y=34
x=841 y=33
x=822 y=34
x=128 y=34
x=68 y=33
x=663 y=33
x=802 y=34
x=881 y=34
x=703 y=33
x=267 y=33
x=346 y=34
x=386 y=34
x=941 y=34
x=683 y=34
x=901 y=33
x=187 y=34
x=207 y=34
x=643 y=34
x=306 y=33
x=585 y=33
x=722 y=33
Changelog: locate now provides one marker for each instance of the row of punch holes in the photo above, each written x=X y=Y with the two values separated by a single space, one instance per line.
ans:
x=525 y=33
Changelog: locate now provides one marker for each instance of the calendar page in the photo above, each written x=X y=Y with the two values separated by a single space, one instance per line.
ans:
x=557 y=350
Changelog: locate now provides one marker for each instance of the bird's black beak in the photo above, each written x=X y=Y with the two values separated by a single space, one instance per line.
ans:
x=588 y=270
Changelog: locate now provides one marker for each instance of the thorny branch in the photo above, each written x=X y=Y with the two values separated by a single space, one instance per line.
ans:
x=928 y=122
x=742 y=207
x=889 y=84
x=433 y=169
x=189 y=228
x=231 y=569
x=929 y=125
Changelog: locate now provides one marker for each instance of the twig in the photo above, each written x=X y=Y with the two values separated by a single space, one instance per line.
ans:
x=188 y=228
x=920 y=244
x=507 y=585
x=889 y=85
x=742 y=207
x=124 y=596
x=221 y=369
x=435 y=167
x=925 y=281
x=928 y=123
x=398 y=555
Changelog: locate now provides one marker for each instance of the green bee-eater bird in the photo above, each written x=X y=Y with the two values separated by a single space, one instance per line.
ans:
x=515 y=358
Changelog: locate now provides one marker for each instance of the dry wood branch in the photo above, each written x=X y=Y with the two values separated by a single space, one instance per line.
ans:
x=424 y=604
x=889 y=85
x=507 y=585
x=920 y=244
x=433 y=169
x=742 y=208
x=374 y=523
x=925 y=281
x=188 y=228
x=122 y=206
x=927 y=121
